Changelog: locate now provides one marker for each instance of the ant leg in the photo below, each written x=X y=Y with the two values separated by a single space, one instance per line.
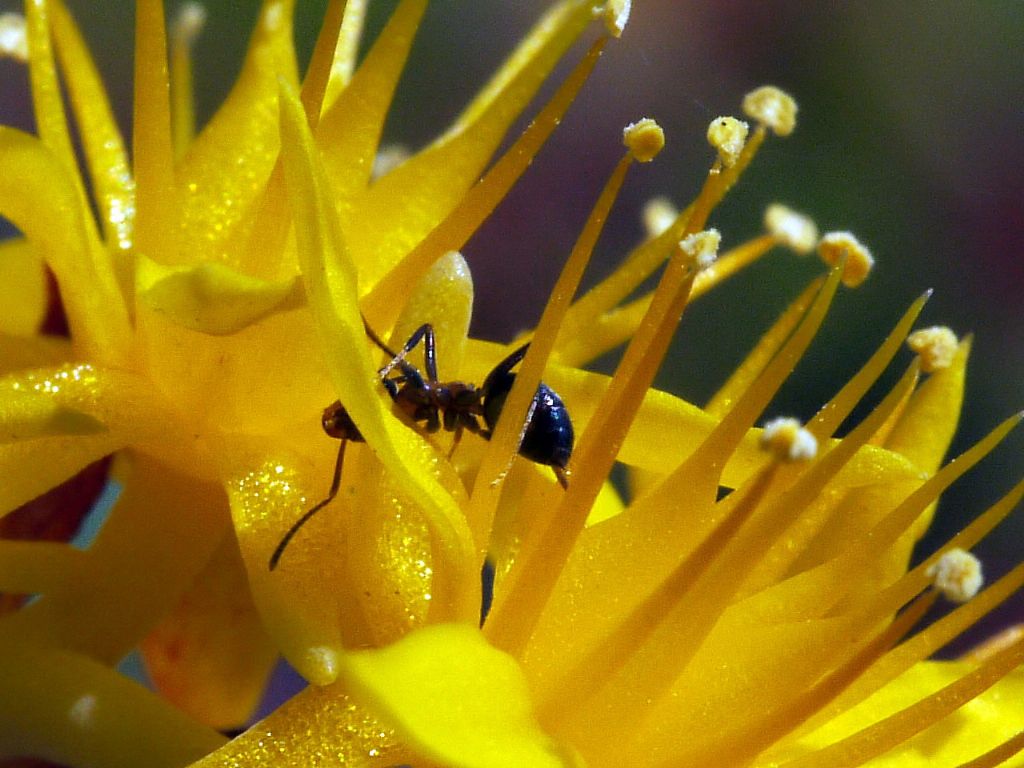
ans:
x=335 y=485
x=455 y=442
x=562 y=475
x=424 y=333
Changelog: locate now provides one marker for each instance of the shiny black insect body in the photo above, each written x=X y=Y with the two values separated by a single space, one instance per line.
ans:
x=456 y=406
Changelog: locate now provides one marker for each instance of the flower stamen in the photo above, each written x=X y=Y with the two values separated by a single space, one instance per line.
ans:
x=936 y=346
x=13 y=37
x=187 y=27
x=957 y=575
x=503 y=446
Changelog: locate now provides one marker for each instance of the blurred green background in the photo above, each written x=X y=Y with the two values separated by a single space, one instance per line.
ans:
x=910 y=134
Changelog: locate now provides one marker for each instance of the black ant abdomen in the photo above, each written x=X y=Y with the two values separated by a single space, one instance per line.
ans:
x=548 y=438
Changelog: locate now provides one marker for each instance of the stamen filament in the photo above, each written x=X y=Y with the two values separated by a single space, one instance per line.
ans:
x=998 y=755
x=738 y=746
x=314 y=87
x=347 y=50
x=190 y=20
x=887 y=530
x=502 y=448
x=615 y=326
x=673 y=622
x=514 y=617
x=590 y=309
x=927 y=642
x=832 y=414
x=383 y=303
x=897 y=728
x=152 y=148
x=759 y=357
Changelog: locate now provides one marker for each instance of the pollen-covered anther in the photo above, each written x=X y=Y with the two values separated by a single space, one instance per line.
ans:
x=13 y=37
x=616 y=16
x=658 y=215
x=644 y=139
x=189 y=22
x=702 y=247
x=957 y=574
x=772 y=107
x=728 y=136
x=936 y=346
x=790 y=228
x=789 y=440
x=859 y=262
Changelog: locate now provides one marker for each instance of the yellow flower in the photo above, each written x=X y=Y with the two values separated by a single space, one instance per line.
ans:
x=748 y=601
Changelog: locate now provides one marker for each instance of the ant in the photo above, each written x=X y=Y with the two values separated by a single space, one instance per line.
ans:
x=455 y=405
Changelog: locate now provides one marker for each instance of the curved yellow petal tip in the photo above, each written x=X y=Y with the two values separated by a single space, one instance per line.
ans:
x=454 y=698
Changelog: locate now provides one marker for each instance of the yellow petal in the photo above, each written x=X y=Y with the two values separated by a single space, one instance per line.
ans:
x=38 y=195
x=66 y=708
x=321 y=727
x=330 y=283
x=32 y=467
x=217 y=207
x=113 y=187
x=156 y=194
x=210 y=655
x=30 y=415
x=307 y=605
x=23 y=292
x=212 y=298
x=398 y=211
x=18 y=353
x=975 y=727
x=350 y=129
x=455 y=699
x=159 y=535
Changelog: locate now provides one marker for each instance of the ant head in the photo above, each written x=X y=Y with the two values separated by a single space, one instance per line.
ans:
x=338 y=424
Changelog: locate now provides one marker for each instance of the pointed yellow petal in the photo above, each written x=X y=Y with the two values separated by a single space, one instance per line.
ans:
x=38 y=195
x=455 y=699
x=113 y=187
x=23 y=292
x=216 y=211
x=66 y=708
x=401 y=208
x=210 y=655
x=331 y=285
x=47 y=99
x=350 y=129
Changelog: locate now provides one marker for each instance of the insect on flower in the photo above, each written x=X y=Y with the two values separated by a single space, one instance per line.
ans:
x=456 y=406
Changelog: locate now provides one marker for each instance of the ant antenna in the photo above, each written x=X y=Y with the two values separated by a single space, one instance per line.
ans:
x=335 y=485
